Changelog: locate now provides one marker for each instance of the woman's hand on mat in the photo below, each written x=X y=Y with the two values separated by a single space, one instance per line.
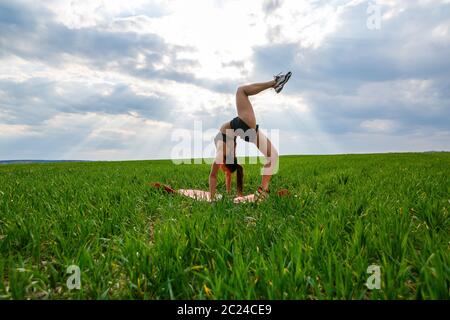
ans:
x=244 y=199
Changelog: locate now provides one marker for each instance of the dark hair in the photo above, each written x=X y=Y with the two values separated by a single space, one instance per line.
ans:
x=239 y=174
x=240 y=178
x=232 y=167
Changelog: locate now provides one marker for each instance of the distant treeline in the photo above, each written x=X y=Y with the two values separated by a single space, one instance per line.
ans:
x=38 y=161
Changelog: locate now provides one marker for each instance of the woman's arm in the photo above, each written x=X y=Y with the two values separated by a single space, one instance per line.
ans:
x=213 y=179
x=271 y=154
x=228 y=181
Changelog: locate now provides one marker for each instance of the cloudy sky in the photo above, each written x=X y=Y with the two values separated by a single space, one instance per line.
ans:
x=112 y=79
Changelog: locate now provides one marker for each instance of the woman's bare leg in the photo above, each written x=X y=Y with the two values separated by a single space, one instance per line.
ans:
x=255 y=88
x=246 y=113
x=271 y=154
x=243 y=104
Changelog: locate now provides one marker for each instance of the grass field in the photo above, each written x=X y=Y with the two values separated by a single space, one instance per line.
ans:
x=133 y=242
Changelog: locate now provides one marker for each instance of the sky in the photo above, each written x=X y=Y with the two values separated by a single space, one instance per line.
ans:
x=128 y=80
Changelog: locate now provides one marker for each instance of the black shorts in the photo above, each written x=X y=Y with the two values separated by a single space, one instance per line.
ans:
x=243 y=130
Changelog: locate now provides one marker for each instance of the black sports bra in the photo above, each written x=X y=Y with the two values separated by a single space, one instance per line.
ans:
x=221 y=136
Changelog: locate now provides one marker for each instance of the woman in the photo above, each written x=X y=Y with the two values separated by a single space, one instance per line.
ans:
x=244 y=126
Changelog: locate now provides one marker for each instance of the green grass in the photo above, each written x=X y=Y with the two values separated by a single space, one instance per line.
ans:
x=133 y=242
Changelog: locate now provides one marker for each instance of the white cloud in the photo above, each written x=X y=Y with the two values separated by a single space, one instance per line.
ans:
x=304 y=22
x=87 y=13
x=8 y=131
x=116 y=77
x=225 y=31
x=102 y=136
x=442 y=32
x=378 y=125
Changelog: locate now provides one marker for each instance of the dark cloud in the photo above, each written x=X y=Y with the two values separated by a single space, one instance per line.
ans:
x=47 y=144
x=400 y=73
x=358 y=74
x=403 y=48
x=31 y=33
x=36 y=100
x=123 y=100
x=53 y=143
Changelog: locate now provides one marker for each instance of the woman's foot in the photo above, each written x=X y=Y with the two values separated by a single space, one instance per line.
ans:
x=261 y=194
x=280 y=81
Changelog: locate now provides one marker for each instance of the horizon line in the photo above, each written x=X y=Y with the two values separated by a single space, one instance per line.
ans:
x=283 y=155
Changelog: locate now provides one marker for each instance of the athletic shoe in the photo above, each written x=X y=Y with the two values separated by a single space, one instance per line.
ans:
x=261 y=194
x=281 y=80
